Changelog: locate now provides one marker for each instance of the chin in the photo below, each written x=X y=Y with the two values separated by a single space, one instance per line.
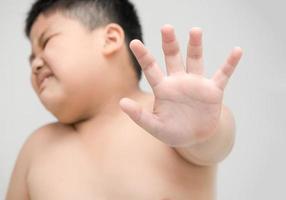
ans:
x=66 y=108
x=68 y=118
x=65 y=120
x=64 y=114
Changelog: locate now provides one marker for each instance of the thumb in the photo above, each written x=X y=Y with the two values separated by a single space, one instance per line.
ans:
x=139 y=115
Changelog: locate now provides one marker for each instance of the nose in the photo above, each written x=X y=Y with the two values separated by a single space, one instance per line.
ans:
x=37 y=65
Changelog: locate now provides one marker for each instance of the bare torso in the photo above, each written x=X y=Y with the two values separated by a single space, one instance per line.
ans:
x=126 y=163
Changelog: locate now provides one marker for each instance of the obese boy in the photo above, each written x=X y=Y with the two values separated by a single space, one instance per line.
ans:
x=112 y=140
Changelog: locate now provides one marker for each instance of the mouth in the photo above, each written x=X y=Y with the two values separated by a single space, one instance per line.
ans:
x=43 y=78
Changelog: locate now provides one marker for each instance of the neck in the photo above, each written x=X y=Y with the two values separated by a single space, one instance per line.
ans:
x=109 y=113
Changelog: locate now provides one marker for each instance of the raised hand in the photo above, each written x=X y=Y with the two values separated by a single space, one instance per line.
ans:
x=187 y=106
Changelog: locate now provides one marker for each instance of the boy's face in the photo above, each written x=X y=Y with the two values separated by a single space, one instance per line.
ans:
x=70 y=56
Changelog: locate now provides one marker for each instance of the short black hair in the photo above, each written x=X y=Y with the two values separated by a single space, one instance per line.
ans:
x=93 y=14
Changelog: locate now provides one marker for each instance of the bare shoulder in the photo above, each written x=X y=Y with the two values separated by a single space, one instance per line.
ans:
x=43 y=136
x=48 y=133
x=37 y=141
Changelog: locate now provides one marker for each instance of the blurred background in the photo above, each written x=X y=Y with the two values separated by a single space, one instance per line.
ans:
x=256 y=92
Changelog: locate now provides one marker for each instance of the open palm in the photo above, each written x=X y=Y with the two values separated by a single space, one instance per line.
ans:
x=187 y=106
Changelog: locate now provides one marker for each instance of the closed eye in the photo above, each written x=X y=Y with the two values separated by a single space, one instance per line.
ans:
x=46 y=42
x=48 y=39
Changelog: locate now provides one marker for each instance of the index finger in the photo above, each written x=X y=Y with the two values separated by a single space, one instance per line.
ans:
x=222 y=76
x=147 y=62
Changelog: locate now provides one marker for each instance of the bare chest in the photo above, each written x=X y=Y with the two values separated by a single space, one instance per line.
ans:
x=136 y=172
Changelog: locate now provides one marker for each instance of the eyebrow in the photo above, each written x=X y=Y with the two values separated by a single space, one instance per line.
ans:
x=32 y=56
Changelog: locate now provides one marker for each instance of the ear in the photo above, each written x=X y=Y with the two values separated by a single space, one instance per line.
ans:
x=114 y=38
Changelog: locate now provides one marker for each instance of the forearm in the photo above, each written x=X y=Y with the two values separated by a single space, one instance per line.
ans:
x=216 y=148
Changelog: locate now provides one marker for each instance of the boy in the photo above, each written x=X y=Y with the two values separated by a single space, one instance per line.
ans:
x=112 y=140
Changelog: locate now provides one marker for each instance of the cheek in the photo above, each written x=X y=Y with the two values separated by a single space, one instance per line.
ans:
x=74 y=66
x=77 y=67
x=64 y=57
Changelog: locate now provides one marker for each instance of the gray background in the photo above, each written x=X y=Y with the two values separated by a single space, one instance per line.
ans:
x=256 y=93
